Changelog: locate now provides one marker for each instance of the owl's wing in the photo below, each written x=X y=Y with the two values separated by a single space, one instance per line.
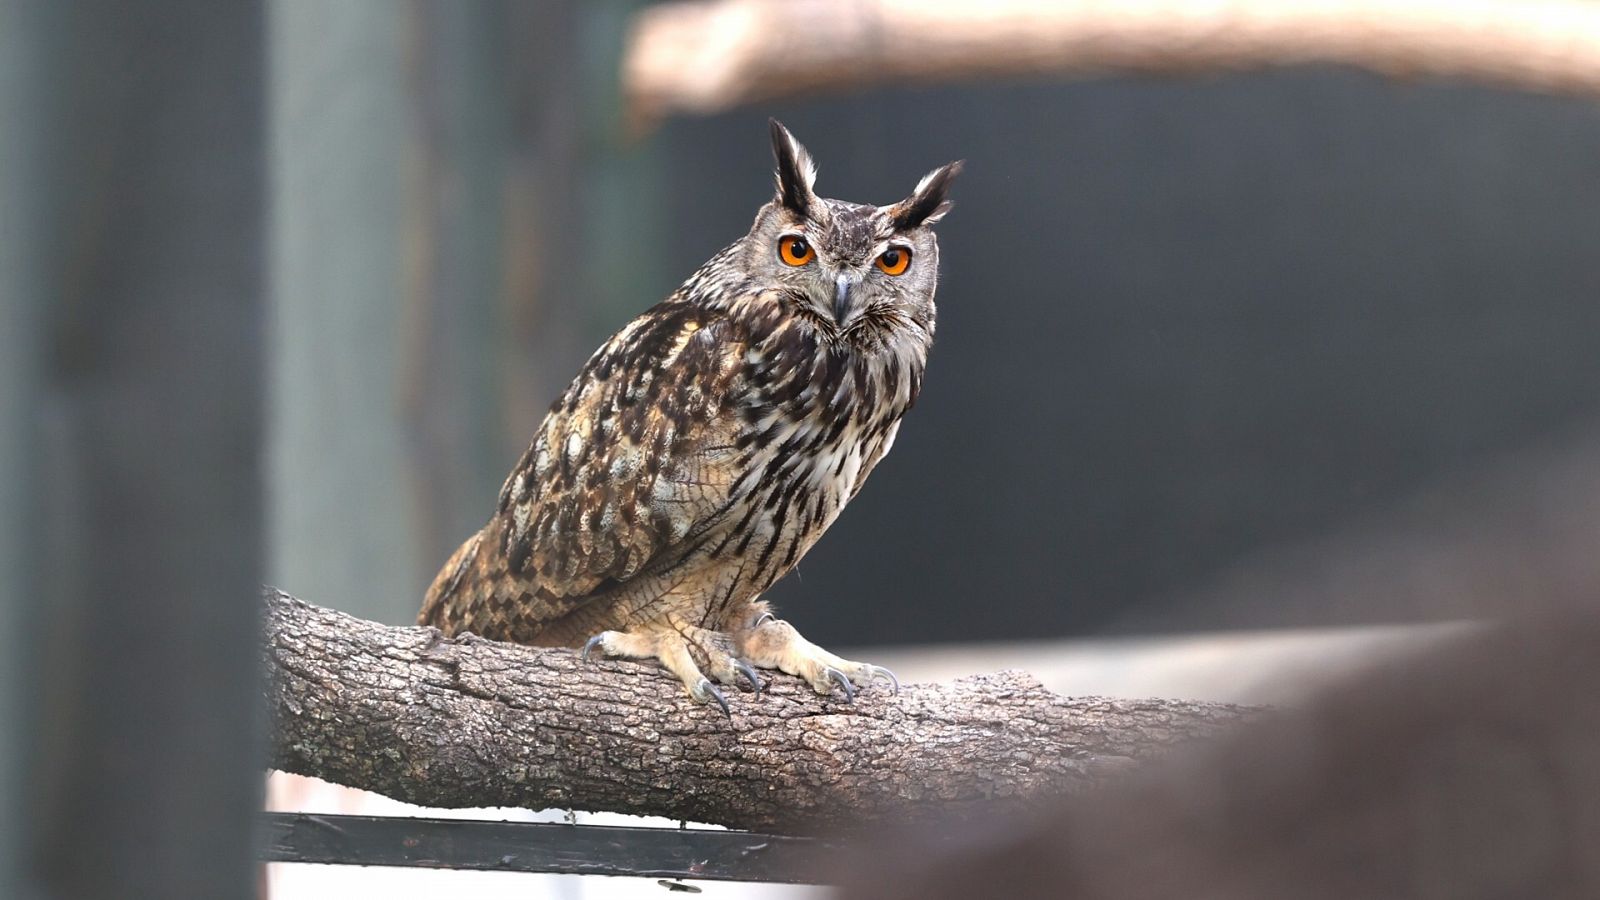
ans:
x=633 y=467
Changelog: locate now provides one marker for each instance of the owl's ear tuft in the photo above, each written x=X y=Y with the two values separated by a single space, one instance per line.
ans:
x=930 y=201
x=796 y=172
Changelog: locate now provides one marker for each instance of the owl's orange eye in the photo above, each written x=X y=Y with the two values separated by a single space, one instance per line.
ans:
x=895 y=260
x=794 y=250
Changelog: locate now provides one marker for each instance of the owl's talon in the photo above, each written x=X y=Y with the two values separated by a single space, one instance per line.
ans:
x=876 y=672
x=843 y=682
x=749 y=672
x=705 y=690
x=592 y=643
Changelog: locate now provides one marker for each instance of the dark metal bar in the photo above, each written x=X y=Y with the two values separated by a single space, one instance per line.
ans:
x=545 y=847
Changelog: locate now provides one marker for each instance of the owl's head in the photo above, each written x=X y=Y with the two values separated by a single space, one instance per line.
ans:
x=851 y=268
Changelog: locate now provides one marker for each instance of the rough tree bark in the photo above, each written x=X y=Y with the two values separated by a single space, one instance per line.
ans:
x=707 y=57
x=469 y=722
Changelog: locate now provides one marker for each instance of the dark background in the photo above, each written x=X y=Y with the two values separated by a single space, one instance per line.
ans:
x=1181 y=322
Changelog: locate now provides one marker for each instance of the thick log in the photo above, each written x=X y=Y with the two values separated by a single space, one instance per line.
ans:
x=457 y=722
x=708 y=57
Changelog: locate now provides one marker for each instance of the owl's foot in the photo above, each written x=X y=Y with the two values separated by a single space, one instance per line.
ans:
x=678 y=647
x=775 y=644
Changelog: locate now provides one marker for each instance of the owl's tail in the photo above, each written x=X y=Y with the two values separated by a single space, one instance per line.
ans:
x=448 y=604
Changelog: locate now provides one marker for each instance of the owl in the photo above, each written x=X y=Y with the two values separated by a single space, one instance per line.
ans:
x=706 y=447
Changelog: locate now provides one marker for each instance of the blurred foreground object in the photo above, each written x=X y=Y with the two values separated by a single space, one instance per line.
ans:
x=131 y=210
x=704 y=58
x=1464 y=771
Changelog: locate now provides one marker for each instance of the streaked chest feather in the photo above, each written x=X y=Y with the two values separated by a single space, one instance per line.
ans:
x=816 y=421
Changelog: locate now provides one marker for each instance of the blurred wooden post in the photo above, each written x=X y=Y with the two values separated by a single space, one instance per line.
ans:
x=25 y=244
x=130 y=334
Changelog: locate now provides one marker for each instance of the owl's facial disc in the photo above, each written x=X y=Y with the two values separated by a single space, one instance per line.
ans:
x=864 y=269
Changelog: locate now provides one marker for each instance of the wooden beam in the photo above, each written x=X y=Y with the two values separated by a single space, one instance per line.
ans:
x=701 y=58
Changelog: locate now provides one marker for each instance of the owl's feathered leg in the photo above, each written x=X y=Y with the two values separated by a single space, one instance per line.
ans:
x=677 y=646
x=772 y=643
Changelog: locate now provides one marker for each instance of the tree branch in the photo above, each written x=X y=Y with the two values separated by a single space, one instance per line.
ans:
x=707 y=57
x=469 y=722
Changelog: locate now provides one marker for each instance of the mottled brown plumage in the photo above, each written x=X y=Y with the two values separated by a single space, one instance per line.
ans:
x=706 y=446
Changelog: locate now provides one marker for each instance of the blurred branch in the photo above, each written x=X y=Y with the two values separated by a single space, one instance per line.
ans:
x=707 y=57
x=469 y=722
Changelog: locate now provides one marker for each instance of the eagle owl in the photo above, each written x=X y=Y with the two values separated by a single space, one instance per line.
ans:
x=706 y=446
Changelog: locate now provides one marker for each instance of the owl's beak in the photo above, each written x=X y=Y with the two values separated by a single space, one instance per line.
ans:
x=843 y=285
